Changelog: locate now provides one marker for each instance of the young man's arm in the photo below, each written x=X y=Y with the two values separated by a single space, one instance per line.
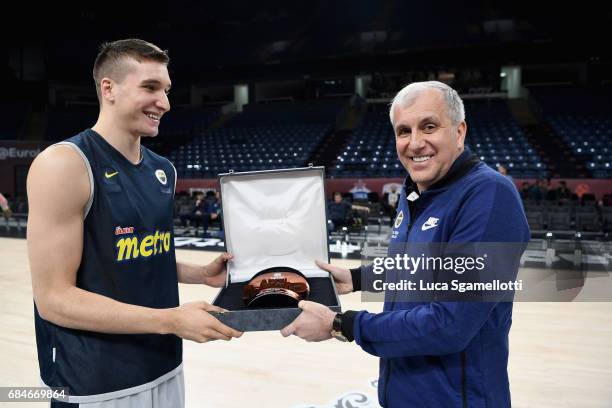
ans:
x=213 y=274
x=58 y=190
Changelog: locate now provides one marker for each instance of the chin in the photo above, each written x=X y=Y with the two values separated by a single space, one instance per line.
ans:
x=421 y=179
x=149 y=133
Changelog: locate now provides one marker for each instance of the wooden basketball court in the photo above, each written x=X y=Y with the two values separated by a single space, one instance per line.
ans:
x=560 y=353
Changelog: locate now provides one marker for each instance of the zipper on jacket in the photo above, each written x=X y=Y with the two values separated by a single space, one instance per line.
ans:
x=386 y=381
x=410 y=225
x=463 y=381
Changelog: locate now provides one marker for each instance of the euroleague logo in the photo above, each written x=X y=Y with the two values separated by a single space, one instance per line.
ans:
x=14 y=153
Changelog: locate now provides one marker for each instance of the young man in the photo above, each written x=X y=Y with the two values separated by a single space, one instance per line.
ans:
x=434 y=354
x=100 y=241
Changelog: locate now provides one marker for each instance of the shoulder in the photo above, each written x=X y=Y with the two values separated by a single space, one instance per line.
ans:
x=489 y=208
x=159 y=160
x=484 y=181
x=59 y=172
x=156 y=157
x=62 y=157
x=484 y=191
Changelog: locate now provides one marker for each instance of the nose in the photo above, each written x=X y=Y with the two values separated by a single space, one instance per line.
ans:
x=414 y=143
x=417 y=141
x=163 y=102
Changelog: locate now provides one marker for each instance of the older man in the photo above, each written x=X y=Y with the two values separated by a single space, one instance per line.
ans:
x=435 y=354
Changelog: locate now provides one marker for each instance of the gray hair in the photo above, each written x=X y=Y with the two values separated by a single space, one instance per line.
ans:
x=407 y=96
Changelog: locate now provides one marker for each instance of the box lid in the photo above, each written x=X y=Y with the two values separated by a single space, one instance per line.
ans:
x=274 y=218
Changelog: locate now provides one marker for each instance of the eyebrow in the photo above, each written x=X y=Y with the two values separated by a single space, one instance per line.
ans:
x=426 y=119
x=429 y=119
x=401 y=128
x=154 y=82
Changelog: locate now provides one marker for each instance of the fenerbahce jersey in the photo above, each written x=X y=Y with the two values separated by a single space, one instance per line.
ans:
x=128 y=255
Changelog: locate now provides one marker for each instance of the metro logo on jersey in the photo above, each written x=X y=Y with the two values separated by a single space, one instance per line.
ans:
x=133 y=247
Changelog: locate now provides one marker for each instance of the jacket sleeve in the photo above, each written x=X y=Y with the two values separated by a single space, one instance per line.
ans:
x=490 y=212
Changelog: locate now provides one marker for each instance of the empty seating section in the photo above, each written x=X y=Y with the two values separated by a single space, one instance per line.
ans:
x=187 y=120
x=496 y=138
x=179 y=127
x=567 y=218
x=583 y=118
x=492 y=134
x=280 y=135
x=248 y=148
x=589 y=136
x=287 y=134
x=370 y=151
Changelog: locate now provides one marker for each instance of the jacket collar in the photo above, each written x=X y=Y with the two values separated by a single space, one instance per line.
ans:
x=460 y=167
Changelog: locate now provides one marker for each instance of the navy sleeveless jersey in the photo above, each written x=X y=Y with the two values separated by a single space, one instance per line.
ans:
x=128 y=255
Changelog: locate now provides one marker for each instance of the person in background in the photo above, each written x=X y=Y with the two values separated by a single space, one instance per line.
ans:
x=504 y=172
x=525 y=187
x=338 y=211
x=4 y=205
x=564 y=194
x=212 y=212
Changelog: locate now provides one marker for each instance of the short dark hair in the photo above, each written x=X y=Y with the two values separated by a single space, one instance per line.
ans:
x=112 y=55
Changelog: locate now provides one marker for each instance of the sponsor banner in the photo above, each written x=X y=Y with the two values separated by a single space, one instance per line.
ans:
x=10 y=153
x=16 y=155
x=18 y=151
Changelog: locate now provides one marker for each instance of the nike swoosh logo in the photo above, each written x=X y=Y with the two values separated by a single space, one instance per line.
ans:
x=109 y=175
x=425 y=227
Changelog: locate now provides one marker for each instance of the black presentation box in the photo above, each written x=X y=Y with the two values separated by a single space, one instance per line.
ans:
x=274 y=218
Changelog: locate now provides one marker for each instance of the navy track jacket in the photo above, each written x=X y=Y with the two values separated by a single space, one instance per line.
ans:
x=447 y=354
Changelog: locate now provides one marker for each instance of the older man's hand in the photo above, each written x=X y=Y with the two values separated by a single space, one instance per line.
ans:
x=313 y=324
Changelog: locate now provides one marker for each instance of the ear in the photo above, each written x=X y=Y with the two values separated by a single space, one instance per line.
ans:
x=461 y=132
x=107 y=90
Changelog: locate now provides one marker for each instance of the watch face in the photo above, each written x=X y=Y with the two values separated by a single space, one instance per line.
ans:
x=282 y=287
x=337 y=323
x=338 y=336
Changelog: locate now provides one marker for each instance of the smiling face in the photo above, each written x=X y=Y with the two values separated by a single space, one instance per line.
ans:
x=426 y=141
x=139 y=99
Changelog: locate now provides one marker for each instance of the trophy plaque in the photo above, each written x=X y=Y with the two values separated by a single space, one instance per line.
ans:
x=276 y=287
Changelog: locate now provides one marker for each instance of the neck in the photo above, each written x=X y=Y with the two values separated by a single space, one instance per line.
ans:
x=126 y=143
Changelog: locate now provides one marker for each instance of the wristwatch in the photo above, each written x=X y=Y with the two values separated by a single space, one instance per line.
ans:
x=336 y=331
